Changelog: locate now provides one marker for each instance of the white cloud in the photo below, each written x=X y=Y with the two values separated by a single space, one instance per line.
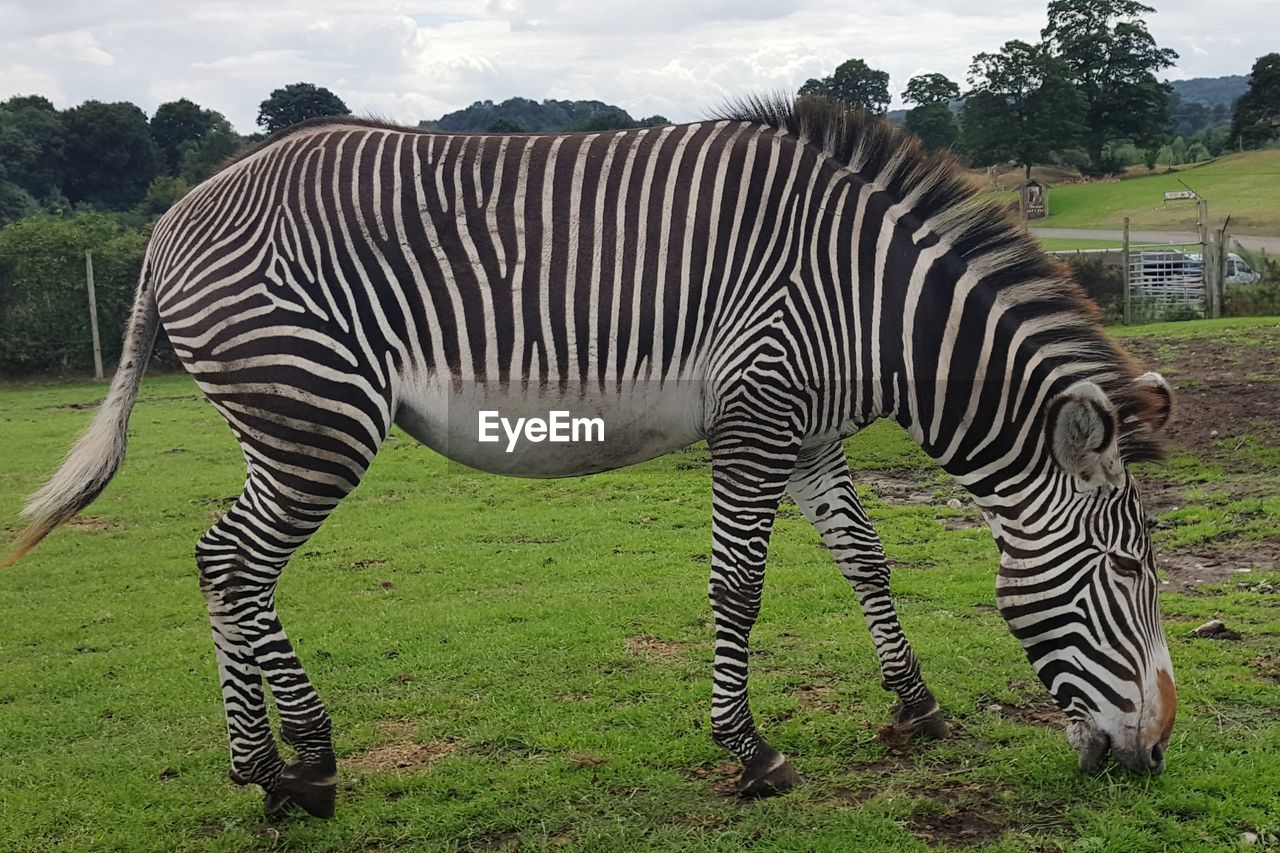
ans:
x=413 y=59
x=75 y=46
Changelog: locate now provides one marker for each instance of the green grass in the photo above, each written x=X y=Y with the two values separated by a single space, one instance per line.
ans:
x=1243 y=185
x=1245 y=328
x=498 y=624
x=1066 y=244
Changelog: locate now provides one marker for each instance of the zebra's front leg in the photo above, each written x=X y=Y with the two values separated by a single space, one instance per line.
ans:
x=240 y=560
x=749 y=477
x=823 y=489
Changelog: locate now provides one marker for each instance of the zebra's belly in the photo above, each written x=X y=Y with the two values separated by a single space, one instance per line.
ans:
x=551 y=432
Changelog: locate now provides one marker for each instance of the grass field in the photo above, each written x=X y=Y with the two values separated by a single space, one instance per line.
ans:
x=1245 y=186
x=526 y=664
x=1064 y=244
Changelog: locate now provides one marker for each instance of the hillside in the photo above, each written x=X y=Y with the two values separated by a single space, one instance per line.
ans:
x=1246 y=186
x=1211 y=91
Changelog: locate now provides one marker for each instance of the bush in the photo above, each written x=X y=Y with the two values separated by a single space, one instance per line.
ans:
x=44 y=320
x=1102 y=282
x=1076 y=158
x=1251 y=300
x=1197 y=153
x=1118 y=157
x=163 y=194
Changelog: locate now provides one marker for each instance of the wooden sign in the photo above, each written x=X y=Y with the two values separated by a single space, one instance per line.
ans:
x=1035 y=202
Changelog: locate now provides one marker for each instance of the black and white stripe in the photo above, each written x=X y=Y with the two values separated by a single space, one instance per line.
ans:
x=771 y=281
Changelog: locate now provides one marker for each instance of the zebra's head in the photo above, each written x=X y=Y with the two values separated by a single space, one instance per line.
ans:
x=1078 y=584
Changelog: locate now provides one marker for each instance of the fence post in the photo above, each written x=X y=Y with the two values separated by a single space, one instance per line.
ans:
x=1128 y=307
x=1213 y=269
x=93 y=315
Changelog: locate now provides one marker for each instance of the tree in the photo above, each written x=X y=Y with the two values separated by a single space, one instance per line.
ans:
x=932 y=119
x=205 y=156
x=111 y=157
x=164 y=193
x=32 y=144
x=853 y=83
x=1022 y=106
x=176 y=124
x=925 y=89
x=15 y=202
x=1112 y=60
x=505 y=125
x=298 y=102
x=1257 y=114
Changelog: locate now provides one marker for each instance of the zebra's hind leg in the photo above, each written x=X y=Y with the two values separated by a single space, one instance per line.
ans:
x=240 y=560
x=823 y=489
x=749 y=477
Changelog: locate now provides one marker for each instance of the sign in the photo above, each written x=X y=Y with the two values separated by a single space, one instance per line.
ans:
x=1034 y=200
x=1174 y=195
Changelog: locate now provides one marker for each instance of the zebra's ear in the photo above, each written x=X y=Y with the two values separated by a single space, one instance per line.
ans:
x=1081 y=426
x=1163 y=413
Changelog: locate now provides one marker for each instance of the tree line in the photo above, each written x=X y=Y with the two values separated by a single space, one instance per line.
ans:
x=93 y=177
x=1084 y=95
x=111 y=157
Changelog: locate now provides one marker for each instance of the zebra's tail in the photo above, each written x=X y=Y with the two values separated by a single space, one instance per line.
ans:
x=97 y=455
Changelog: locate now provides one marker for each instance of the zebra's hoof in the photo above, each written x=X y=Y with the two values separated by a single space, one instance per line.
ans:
x=930 y=725
x=934 y=726
x=767 y=774
x=302 y=787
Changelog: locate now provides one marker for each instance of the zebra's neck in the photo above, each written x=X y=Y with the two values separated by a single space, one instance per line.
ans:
x=964 y=351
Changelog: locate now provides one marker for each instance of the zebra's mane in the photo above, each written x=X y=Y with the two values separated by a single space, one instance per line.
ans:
x=1034 y=289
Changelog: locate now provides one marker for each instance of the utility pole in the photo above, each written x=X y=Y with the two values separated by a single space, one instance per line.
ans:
x=93 y=315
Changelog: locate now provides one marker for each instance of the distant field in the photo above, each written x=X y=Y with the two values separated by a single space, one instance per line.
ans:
x=525 y=665
x=1068 y=244
x=1246 y=186
x=1064 y=244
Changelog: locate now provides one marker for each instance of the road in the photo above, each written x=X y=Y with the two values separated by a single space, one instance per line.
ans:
x=1251 y=242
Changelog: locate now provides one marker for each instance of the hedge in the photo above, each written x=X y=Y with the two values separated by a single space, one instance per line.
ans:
x=44 y=307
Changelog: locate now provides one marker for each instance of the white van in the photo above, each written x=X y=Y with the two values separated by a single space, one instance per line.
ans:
x=1238 y=270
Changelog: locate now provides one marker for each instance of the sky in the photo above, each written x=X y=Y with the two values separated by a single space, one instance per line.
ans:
x=407 y=60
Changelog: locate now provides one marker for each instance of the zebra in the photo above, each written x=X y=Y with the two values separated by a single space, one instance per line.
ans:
x=770 y=280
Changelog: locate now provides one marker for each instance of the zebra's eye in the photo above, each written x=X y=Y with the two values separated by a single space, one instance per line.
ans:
x=1126 y=565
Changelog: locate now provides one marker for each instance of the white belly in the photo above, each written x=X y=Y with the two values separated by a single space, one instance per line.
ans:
x=549 y=432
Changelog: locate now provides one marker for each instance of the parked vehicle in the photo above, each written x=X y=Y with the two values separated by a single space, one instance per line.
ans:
x=1238 y=270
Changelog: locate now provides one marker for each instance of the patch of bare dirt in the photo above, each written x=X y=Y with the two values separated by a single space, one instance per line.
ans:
x=581 y=761
x=650 y=646
x=1190 y=568
x=969 y=816
x=399 y=755
x=961 y=522
x=91 y=523
x=817 y=697
x=1265 y=666
x=1035 y=714
x=843 y=796
x=1228 y=392
x=901 y=485
x=723 y=777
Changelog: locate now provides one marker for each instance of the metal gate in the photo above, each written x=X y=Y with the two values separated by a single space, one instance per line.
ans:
x=1165 y=283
